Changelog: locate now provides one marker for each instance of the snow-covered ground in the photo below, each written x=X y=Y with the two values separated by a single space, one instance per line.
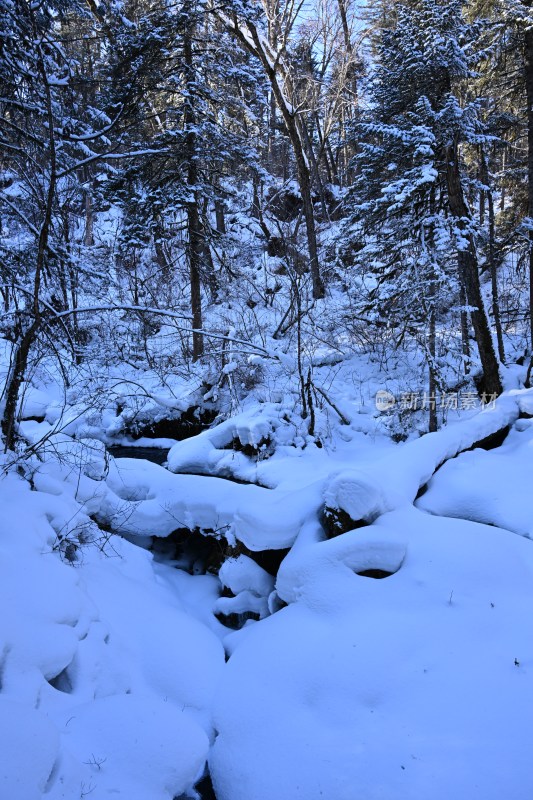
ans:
x=108 y=677
x=394 y=661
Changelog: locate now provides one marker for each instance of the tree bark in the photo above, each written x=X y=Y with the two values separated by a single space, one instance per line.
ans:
x=194 y=224
x=350 y=149
x=492 y=258
x=468 y=268
x=465 y=341
x=528 y=68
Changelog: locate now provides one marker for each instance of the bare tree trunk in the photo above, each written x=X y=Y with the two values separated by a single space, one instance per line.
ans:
x=432 y=323
x=502 y=193
x=15 y=380
x=465 y=341
x=323 y=152
x=88 y=238
x=432 y=374
x=194 y=225
x=256 y=202
x=468 y=268
x=272 y=147
x=349 y=150
x=492 y=259
x=528 y=67
x=483 y=174
x=277 y=75
x=22 y=353
x=219 y=217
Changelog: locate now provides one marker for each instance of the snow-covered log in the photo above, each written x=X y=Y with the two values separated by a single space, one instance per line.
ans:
x=357 y=496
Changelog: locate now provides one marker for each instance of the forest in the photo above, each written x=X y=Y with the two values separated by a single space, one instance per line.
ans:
x=266 y=404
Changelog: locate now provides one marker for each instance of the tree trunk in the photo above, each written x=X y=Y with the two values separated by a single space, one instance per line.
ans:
x=22 y=353
x=349 y=149
x=528 y=67
x=254 y=44
x=220 y=217
x=304 y=183
x=194 y=225
x=468 y=268
x=88 y=238
x=492 y=258
x=15 y=379
x=465 y=341
x=432 y=342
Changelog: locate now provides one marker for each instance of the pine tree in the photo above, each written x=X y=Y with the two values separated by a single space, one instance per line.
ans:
x=409 y=199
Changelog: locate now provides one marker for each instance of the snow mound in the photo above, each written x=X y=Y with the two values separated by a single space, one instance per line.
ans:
x=242 y=573
x=251 y=586
x=29 y=747
x=218 y=451
x=416 y=686
x=136 y=747
x=106 y=679
x=493 y=487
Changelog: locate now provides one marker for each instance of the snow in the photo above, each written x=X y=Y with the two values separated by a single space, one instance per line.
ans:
x=250 y=584
x=242 y=573
x=394 y=661
x=29 y=745
x=365 y=494
x=107 y=682
x=136 y=747
x=404 y=687
x=163 y=623
x=488 y=486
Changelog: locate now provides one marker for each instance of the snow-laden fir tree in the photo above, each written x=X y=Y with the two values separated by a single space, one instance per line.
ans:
x=408 y=205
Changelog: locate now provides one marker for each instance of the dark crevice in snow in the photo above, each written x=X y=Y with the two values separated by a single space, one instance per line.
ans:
x=62 y=682
x=375 y=573
x=335 y=521
x=269 y=560
x=194 y=551
x=200 y=551
x=264 y=448
x=157 y=455
x=189 y=423
x=494 y=440
x=54 y=772
x=203 y=790
x=423 y=489
x=236 y=621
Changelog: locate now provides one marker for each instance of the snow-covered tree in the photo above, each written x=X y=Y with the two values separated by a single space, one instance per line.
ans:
x=408 y=201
